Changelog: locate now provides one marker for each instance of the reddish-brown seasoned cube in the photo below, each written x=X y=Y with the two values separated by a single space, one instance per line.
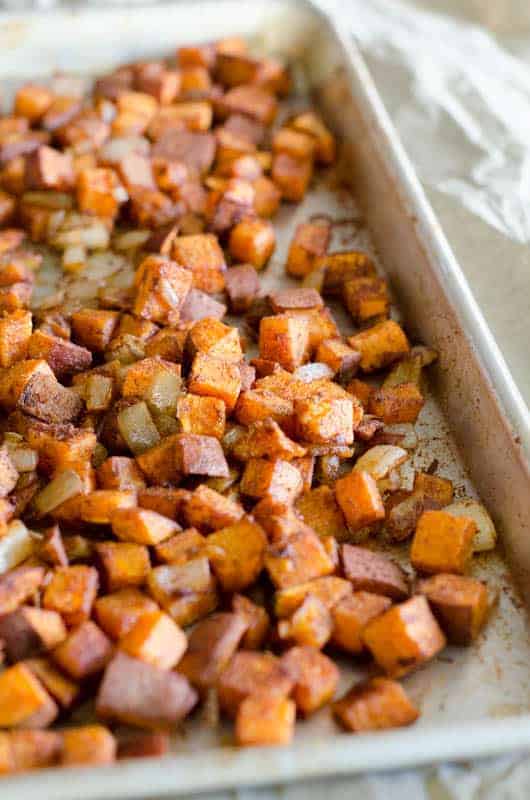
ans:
x=373 y=572
x=96 y=192
x=32 y=101
x=442 y=543
x=200 y=455
x=195 y=148
x=297 y=558
x=276 y=479
x=366 y=297
x=99 y=506
x=322 y=420
x=291 y=175
x=60 y=447
x=340 y=267
x=187 y=591
x=374 y=705
x=32 y=387
x=404 y=637
x=252 y=101
x=339 y=357
x=182 y=547
x=168 y=502
x=284 y=339
x=252 y=241
x=359 y=500
x=242 y=286
x=460 y=604
x=8 y=473
x=203 y=257
x=136 y=169
x=123 y=564
x=71 y=592
x=64 y=357
x=350 y=616
x=118 y=612
x=52 y=547
x=265 y=719
x=23 y=701
x=135 y=693
x=94 y=328
x=310 y=625
x=437 y=489
x=144 y=745
x=163 y=84
x=396 y=404
x=28 y=631
x=199 y=305
x=203 y=415
x=254 y=405
x=155 y=639
x=15 y=333
x=318 y=508
x=325 y=145
x=265 y=438
x=295 y=300
x=310 y=241
x=209 y=510
x=84 y=652
x=247 y=673
x=161 y=289
x=88 y=744
x=329 y=589
x=315 y=677
x=215 y=377
x=236 y=554
x=257 y=621
x=295 y=143
x=33 y=749
x=18 y=585
x=63 y=690
x=121 y=473
x=47 y=168
x=211 y=645
x=380 y=345
x=214 y=338
x=142 y=526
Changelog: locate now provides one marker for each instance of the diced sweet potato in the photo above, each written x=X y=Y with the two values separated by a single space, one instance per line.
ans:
x=320 y=420
x=366 y=297
x=339 y=357
x=291 y=175
x=84 y=652
x=442 y=543
x=396 y=404
x=211 y=645
x=144 y=745
x=297 y=144
x=168 y=502
x=253 y=406
x=8 y=473
x=71 y=592
x=142 y=526
x=155 y=639
x=15 y=333
x=252 y=241
x=359 y=500
x=60 y=447
x=24 y=703
x=34 y=749
x=325 y=146
x=298 y=558
x=350 y=616
x=329 y=589
x=118 y=613
x=94 y=328
x=373 y=572
x=32 y=101
x=252 y=101
x=404 y=637
x=214 y=338
x=47 y=168
x=319 y=509
x=373 y=705
x=437 y=489
x=284 y=339
x=88 y=744
x=63 y=357
x=99 y=506
x=340 y=267
x=315 y=677
x=277 y=479
x=180 y=548
x=202 y=415
x=236 y=554
x=208 y=510
x=265 y=438
x=63 y=690
x=19 y=585
x=195 y=148
x=248 y=673
x=32 y=387
x=203 y=257
x=310 y=625
x=96 y=192
x=187 y=591
x=215 y=377
x=121 y=473
x=123 y=564
x=380 y=345
x=199 y=305
x=258 y=623
x=459 y=603
x=242 y=286
x=265 y=719
x=161 y=289
x=28 y=631
x=310 y=241
x=135 y=693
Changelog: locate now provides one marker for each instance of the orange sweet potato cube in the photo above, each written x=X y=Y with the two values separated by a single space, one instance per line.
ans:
x=252 y=101
x=437 y=489
x=34 y=749
x=211 y=645
x=144 y=745
x=256 y=405
x=257 y=621
x=374 y=572
x=373 y=705
x=252 y=241
x=215 y=377
x=32 y=101
x=247 y=673
x=156 y=639
x=297 y=558
x=203 y=415
x=329 y=589
x=24 y=703
x=297 y=144
x=315 y=677
x=310 y=241
x=18 y=585
x=366 y=297
x=60 y=447
x=84 y=652
x=339 y=267
x=442 y=543
x=121 y=473
x=161 y=289
x=187 y=591
x=209 y=510
x=396 y=404
x=142 y=526
x=325 y=145
x=94 y=328
x=320 y=420
x=339 y=357
x=168 y=502
x=404 y=637
x=275 y=478
x=284 y=339
x=96 y=192
x=28 y=631
x=201 y=254
x=15 y=333
x=64 y=357
x=319 y=509
x=98 y=507
x=265 y=719
x=214 y=338
x=359 y=500
x=460 y=604
x=291 y=175
x=380 y=345
x=310 y=625
x=361 y=391
x=267 y=197
x=71 y=592
x=123 y=564
x=47 y=168
x=118 y=612
x=88 y=744
x=350 y=616
x=63 y=690
x=266 y=438
x=159 y=463
x=182 y=547
x=32 y=387
x=236 y=554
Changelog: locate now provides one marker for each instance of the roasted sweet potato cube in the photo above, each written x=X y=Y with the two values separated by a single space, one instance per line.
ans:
x=88 y=744
x=265 y=438
x=339 y=267
x=380 y=345
x=310 y=625
x=119 y=612
x=265 y=719
x=284 y=339
x=123 y=564
x=366 y=297
x=373 y=572
x=361 y=391
x=47 y=168
x=339 y=357
x=404 y=637
x=32 y=101
x=135 y=693
x=161 y=289
x=71 y=592
x=199 y=305
x=236 y=554
x=94 y=328
x=7 y=759
x=329 y=589
x=96 y=192
x=315 y=677
x=325 y=145
x=64 y=357
x=29 y=631
x=435 y=488
x=297 y=144
x=63 y=690
x=24 y=703
x=18 y=585
x=298 y=558
x=267 y=197
x=252 y=101
x=210 y=511
x=375 y=704
x=84 y=652
x=195 y=81
x=200 y=455
x=15 y=333
x=168 y=502
x=121 y=473
x=166 y=344
x=215 y=377
x=214 y=338
x=254 y=406
x=242 y=286
x=60 y=447
x=248 y=673
x=442 y=543
x=203 y=257
x=320 y=420
x=257 y=621
x=154 y=79
x=291 y=175
x=359 y=500
x=136 y=169
x=32 y=387
x=277 y=479
x=8 y=473
x=310 y=241
x=144 y=745
x=34 y=749
x=52 y=547
x=396 y=404
x=199 y=55
x=252 y=241
x=319 y=509
x=187 y=591
x=159 y=463
x=155 y=639
x=99 y=506
x=142 y=526
x=182 y=547
x=203 y=415
x=211 y=645
x=350 y=616
x=7 y=208
x=460 y=604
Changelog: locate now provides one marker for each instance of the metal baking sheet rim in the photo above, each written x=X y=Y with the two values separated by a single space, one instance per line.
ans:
x=229 y=767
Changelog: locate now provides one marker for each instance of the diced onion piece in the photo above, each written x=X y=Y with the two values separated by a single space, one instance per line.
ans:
x=99 y=456
x=24 y=459
x=115 y=149
x=130 y=240
x=18 y=544
x=137 y=428
x=315 y=279
x=96 y=237
x=221 y=485
x=313 y=372
x=168 y=293
x=486 y=535
x=378 y=461
x=57 y=200
x=407 y=431
x=166 y=425
x=120 y=194
x=391 y=483
x=98 y=392
x=64 y=486
x=426 y=355
x=406 y=371
x=164 y=391
x=74 y=258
